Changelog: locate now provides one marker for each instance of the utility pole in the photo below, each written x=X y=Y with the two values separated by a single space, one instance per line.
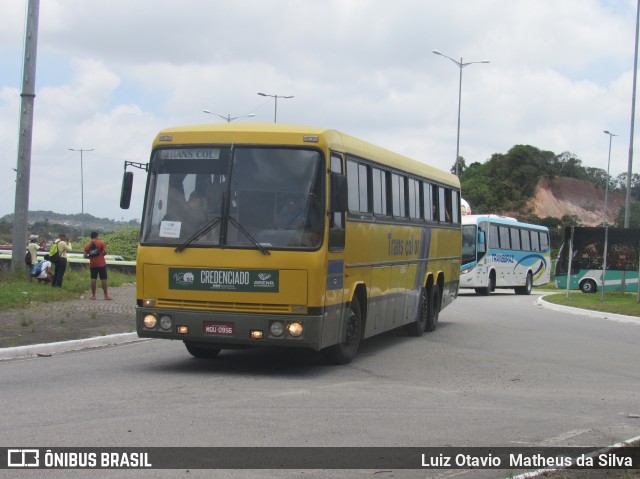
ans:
x=627 y=202
x=23 y=170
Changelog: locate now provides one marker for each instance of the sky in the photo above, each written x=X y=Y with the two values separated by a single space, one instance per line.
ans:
x=112 y=73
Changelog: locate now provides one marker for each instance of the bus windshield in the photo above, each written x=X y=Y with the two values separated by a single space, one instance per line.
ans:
x=468 y=243
x=235 y=197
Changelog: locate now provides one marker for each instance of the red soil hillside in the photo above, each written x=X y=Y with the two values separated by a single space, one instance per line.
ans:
x=568 y=196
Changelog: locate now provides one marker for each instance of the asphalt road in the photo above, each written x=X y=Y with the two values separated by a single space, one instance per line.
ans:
x=499 y=371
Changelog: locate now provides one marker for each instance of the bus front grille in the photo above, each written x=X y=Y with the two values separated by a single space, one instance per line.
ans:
x=220 y=306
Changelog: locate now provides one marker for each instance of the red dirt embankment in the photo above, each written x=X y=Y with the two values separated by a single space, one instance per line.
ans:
x=568 y=196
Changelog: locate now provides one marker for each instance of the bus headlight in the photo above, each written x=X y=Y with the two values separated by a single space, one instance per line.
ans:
x=276 y=328
x=150 y=321
x=295 y=329
x=467 y=270
x=165 y=322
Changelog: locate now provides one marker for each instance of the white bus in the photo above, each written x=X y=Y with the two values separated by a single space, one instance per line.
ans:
x=500 y=252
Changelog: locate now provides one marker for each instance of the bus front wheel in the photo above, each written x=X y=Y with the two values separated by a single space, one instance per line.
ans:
x=588 y=286
x=344 y=352
x=201 y=351
x=491 y=286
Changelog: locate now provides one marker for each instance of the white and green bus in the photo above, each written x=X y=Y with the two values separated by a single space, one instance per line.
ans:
x=588 y=246
x=501 y=252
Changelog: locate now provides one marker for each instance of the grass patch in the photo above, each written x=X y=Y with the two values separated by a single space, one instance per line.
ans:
x=614 y=302
x=16 y=291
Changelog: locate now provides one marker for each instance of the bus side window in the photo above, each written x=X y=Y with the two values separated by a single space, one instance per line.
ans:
x=427 y=199
x=526 y=244
x=515 y=238
x=379 y=191
x=544 y=241
x=442 y=205
x=455 y=206
x=494 y=241
x=336 y=223
x=398 y=199
x=434 y=203
x=482 y=242
x=535 y=244
x=358 y=179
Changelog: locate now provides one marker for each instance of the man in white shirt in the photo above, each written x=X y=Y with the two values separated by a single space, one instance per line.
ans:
x=45 y=275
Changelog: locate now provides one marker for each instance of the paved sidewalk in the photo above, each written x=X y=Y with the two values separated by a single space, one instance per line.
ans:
x=74 y=319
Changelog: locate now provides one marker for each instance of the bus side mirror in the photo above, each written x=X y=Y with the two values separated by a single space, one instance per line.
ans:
x=125 y=193
x=339 y=193
x=482 y=246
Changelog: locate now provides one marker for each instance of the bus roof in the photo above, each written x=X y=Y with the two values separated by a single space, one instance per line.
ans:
x=278 y=133
x=498 y=219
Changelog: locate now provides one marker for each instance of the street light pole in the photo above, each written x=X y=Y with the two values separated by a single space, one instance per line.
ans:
x=229 y=118
x=81 y=150
x=606 y=223
x=606 y=190
x=275 y=113
x=460 y=65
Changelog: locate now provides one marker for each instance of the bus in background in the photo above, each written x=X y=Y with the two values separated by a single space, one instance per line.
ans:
x=290 y=236
x=465 y=209
x=500 y=252
x=623 y=245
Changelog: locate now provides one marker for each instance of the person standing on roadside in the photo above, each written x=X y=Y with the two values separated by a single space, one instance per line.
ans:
x=32 y=247
x=96 y=250
x=64 y=245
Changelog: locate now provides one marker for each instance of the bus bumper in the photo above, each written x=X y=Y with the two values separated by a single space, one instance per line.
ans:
x=230 y=329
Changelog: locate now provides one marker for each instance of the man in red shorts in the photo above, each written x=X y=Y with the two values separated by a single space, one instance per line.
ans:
x=95 y=251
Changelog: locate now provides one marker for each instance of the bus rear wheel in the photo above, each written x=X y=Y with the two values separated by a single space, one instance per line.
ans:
x=201 y=351
x=588 y=286
x=418 y=327
x=344 y=352
x=528 y=286
x=433 y=310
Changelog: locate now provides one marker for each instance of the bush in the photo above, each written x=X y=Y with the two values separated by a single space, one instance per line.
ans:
x=123 y=243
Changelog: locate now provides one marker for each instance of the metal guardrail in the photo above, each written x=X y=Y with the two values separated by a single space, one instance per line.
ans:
x=78 y=262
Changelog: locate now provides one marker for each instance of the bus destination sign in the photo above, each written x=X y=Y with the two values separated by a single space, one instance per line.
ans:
x=228 y=280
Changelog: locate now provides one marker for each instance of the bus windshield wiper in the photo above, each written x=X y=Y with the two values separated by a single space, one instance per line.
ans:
x=204 y=229
x=262 y=249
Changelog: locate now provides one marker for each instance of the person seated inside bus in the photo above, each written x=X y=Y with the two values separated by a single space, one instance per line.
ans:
x=195 y=214
x=292 y=216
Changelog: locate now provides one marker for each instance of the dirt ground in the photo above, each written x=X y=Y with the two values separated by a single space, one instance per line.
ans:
x=569 y=196
x=79 y=318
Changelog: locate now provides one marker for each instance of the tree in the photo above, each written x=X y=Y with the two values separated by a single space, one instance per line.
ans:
x=462 y=165
x=634 y=217
x=598 y=176
x=571 y=166
x=621 y=184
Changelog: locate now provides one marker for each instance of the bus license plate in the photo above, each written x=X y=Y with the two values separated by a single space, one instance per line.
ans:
x=218 y=329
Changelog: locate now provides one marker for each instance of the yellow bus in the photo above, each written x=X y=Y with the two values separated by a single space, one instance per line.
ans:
x=290 y=236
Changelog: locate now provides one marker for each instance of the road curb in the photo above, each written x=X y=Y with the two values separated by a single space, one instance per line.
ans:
x=620 y=318
x=49 y=349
